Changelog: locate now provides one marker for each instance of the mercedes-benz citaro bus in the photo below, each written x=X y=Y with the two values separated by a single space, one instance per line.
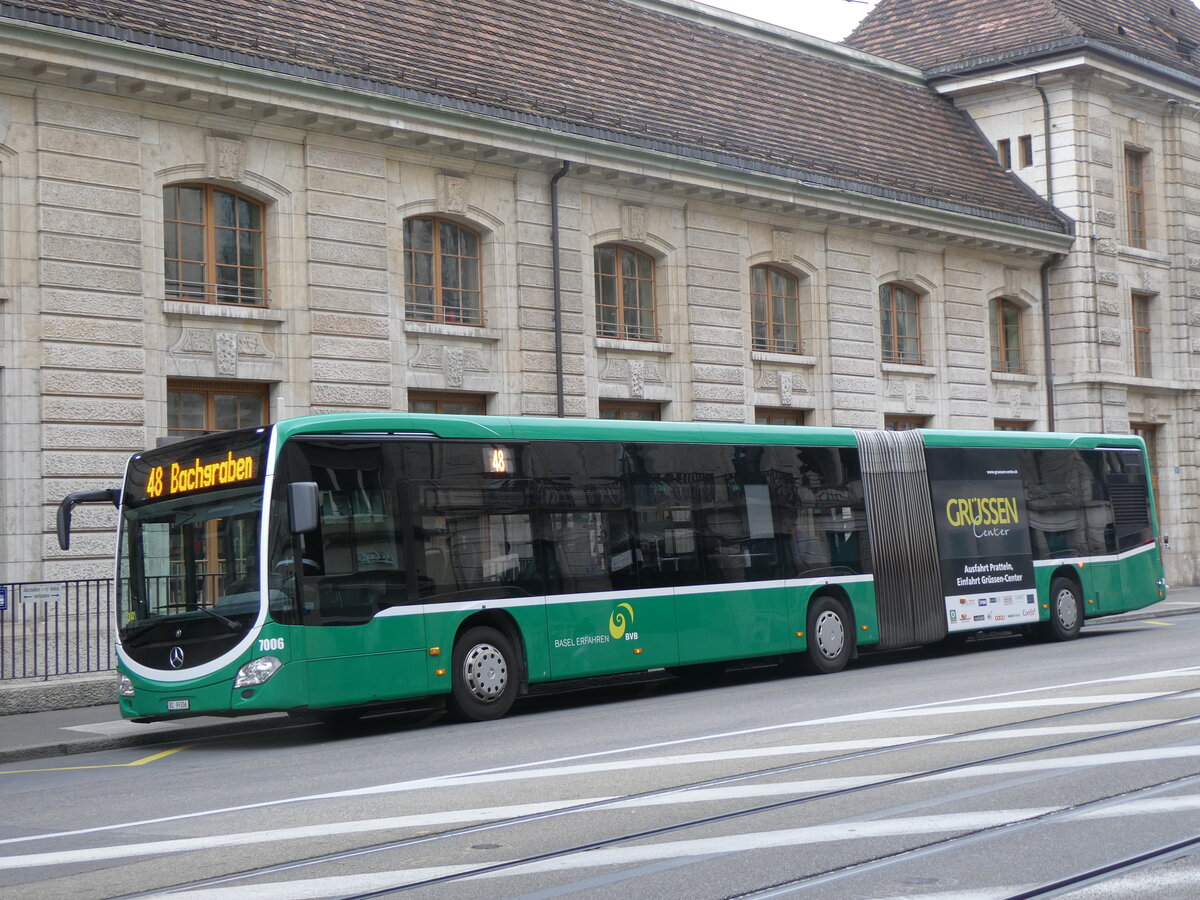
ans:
x=330 y=563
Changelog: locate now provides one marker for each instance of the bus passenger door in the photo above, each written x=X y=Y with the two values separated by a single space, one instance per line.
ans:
x=364 y=634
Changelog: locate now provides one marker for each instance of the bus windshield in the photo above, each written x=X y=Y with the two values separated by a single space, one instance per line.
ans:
x=191 y=563
x=188 y=557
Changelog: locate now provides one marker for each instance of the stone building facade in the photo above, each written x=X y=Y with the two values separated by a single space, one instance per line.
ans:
x=703 y=189
x=1096 y=106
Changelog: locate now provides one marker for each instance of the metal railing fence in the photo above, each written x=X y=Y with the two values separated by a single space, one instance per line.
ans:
x=53 y=628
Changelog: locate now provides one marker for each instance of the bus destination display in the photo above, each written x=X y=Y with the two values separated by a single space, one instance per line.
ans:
x=165 y=473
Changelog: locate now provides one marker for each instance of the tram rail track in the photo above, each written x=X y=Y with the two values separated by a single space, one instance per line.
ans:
x=1090 y=875
x=701 y=821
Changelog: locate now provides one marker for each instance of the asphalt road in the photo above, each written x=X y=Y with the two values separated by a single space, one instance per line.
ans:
x=1002 y=769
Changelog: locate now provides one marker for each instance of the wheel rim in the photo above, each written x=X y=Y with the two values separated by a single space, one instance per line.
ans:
x=1066 y=608
x=485 y=673
x=830 y=634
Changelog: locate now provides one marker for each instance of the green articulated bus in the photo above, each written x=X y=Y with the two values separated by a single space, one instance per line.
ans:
x=326 y=564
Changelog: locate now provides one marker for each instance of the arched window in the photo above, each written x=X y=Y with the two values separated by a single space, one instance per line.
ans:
x=1006 y=337
x=213 y=245
x=900 y=325
x=441 y=272
x=775 y=310
x=625 y=293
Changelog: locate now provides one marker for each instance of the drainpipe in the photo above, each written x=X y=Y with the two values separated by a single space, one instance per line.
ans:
x=1048 y=265
x=557 y=268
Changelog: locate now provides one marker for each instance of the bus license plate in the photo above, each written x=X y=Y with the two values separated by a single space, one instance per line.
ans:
x=178 y=705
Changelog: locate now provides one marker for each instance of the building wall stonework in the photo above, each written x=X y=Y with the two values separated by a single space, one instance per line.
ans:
x=1094 y=121
x=90 y=337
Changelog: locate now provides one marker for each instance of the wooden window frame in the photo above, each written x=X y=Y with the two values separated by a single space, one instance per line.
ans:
x=1025 y=144
x=441 y=399
x=1004 y=153
x=1001 y=347
x=634 y=407
x=621 y=328
x=888 y=295
x=764 y=327
x=1140 y=303
x=438 y=311
x=210 y=290
x=211 y=390
x=1135 y=197
x=767 y=415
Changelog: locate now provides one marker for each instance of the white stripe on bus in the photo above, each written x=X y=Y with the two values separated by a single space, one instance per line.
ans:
x=630 y=594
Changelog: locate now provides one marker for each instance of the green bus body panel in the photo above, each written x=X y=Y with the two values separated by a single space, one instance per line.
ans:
x=620 y=633
x=732 y=623
x=409 y=655
x=382 y=659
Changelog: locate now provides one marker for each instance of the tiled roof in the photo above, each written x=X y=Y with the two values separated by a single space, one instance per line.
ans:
x=929 y=33
x=625 y=71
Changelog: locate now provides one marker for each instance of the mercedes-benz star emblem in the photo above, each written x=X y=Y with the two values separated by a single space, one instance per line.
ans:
x=176 y=657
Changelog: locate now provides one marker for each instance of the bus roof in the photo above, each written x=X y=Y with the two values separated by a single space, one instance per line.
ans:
x=523 y=428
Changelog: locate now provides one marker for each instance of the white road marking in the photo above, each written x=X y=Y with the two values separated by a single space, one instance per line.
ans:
x=443 y=781
x=492 y=814
x=184 y=845
x=312 y=889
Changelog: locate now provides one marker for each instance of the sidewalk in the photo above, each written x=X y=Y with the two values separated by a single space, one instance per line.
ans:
x=62 y=732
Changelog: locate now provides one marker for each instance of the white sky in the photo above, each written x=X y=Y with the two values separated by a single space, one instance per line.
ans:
x=828 y=19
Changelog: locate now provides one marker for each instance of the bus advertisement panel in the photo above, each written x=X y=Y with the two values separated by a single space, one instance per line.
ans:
x=983 y=538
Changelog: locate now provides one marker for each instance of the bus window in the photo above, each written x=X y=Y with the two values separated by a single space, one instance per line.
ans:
x=354 y=563
x=1125 y=476
x=583 y=525
x=473 y=527
x=1067 y=499
x=831 y=524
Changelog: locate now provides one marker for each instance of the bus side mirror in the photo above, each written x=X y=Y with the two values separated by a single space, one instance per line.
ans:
x=304 y=509
x=68 y=504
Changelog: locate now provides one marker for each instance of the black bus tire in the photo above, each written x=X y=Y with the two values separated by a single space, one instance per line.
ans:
x=830 y=637
x=485 y=675
x=1066 y=611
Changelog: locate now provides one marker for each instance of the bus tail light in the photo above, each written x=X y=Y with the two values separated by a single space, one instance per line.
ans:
x=257 y=671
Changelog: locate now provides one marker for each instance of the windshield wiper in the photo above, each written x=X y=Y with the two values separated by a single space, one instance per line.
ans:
x=229 y=623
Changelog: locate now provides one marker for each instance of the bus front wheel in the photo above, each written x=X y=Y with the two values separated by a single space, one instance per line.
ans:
x=830 y=637
x=1066 y=611
x=485 y=675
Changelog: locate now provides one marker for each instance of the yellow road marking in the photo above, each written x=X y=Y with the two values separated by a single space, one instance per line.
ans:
x=137 y=762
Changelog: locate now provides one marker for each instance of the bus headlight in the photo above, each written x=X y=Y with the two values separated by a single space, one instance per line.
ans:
x=124 y=686
x=257 y=671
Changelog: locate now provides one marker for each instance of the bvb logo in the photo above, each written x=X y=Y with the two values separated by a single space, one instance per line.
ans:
x=617 y=623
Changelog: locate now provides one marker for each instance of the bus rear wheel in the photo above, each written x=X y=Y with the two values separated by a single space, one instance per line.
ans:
x=485 y=675
x=1066 y=611
x=830 y=637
